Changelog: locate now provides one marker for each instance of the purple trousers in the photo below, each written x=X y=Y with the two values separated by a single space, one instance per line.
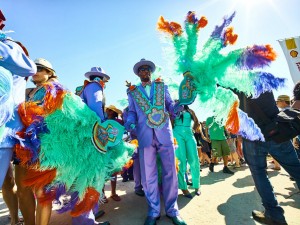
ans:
x=150 y=178
x=137 y=173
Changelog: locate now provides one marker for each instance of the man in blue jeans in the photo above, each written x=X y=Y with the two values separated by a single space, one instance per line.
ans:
x=255 y=153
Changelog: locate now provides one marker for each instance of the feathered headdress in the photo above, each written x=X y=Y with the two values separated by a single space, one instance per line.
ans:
x=216 y=74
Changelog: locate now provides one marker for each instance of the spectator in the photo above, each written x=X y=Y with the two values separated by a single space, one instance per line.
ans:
x=255 y=153
x=219 y=145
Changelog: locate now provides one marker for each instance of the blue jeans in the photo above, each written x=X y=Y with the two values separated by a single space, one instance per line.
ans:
x=255 y=153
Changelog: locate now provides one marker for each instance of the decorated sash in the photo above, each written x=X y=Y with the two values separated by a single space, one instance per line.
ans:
x=107 y=134
x=156 y=115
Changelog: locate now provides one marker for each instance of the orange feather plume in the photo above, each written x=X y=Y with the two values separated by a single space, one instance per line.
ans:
x=91 y=198
x=268 y=54
x=202 y=22
x=28 y=111
x=172 y=28
x=52 y=103
x=233 y=122
x=38 y=179
x=230 y=37
x=22 y=154
x=128 y=164
x=135 y=142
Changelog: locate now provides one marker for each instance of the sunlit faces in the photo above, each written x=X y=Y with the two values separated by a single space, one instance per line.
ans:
x=145 y=73
x=281 y=104
x=42 y=75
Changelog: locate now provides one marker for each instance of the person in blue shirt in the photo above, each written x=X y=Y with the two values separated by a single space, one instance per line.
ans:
x=92 y=92
x=15 y=62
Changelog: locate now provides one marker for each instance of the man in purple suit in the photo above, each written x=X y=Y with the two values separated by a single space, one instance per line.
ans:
x=150 y=107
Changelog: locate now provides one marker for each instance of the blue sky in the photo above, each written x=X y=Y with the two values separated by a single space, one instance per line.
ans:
x=77 y=35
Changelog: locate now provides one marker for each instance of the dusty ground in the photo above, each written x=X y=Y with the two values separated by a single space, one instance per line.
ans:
x=225 y=199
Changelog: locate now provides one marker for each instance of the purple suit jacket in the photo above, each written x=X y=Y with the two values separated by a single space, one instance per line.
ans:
x=92 y=95
x=138 y=117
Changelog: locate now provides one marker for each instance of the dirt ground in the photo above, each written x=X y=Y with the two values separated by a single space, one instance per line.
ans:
x=225 y=199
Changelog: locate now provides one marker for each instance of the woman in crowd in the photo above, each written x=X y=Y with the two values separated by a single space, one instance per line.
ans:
x=187 y=150
x=45 y=74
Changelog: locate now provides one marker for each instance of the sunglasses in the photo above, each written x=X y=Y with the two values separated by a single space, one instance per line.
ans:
x=98 y=79
x=145 y=69
x=39 y=69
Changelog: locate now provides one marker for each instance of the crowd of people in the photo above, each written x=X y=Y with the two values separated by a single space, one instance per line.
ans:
x=156 y=121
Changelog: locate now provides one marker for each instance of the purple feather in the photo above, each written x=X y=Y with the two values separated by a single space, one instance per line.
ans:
x=69 y=203
x=249 y=59
x=66 y=200
x=53 y=91
x=193 y=17
x=32 y=141
x=266 y=82
x=219 y=31
x=248 y=128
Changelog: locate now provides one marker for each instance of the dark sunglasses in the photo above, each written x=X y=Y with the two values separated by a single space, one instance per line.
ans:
x=39 y=69
x=145 y=69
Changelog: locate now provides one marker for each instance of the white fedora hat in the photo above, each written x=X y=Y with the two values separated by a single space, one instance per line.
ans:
x=97 y=71
x=45 y=64
x=143 y=62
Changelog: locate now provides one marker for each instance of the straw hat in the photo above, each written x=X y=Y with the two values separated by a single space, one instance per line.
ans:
x=115 y=109
x=40 y=62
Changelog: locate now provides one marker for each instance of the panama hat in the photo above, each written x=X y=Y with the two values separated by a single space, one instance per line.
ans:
x=115 y=109
x=143 y=62
x=40 y=62
x=97 y=71
x=285 y=98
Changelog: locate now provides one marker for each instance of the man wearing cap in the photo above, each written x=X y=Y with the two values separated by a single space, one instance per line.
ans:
x=283 y=102
x=15 y=64
x=150 y=106
x=92 y=94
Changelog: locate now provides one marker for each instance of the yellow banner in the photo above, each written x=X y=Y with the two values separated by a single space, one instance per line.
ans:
x=290 y=44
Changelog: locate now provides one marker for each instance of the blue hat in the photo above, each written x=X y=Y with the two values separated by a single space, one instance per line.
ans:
x=143 y=62
x=97 y=71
